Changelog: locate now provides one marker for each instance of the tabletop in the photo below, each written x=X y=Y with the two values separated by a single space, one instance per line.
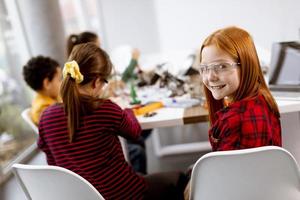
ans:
x=167 y=117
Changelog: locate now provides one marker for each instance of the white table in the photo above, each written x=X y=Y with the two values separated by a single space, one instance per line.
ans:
x=168 y=117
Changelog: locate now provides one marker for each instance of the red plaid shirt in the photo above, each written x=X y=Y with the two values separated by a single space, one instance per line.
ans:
x=245 y=124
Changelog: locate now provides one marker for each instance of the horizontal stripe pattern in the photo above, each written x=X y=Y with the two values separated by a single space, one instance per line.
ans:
x=96 y=152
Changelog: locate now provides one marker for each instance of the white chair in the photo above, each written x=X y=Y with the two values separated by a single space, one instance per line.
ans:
x=26 y=116
x=124 y=148
x=264 y=173
x=51 y=182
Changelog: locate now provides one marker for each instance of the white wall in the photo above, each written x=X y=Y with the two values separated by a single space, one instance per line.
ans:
x=171 y=27
x=43 y=26
x=130 y=22
x=184 y=24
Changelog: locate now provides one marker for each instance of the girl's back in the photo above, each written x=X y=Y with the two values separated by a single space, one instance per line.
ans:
x=95 y=152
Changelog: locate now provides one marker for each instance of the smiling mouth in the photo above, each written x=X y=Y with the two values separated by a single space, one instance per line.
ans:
x=217 y=87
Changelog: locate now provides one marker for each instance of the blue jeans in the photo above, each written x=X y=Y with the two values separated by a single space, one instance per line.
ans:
x=137 y=152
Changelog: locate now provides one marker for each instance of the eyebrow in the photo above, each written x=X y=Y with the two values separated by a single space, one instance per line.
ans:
x=218 y=60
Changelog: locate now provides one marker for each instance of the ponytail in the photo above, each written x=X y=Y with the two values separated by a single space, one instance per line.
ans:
x=71 y=101
x=87 y=63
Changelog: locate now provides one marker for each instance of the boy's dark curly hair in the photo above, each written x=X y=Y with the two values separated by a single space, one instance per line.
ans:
x=37 y=69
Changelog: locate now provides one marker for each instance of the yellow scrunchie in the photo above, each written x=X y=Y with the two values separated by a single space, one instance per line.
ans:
x=72 y=68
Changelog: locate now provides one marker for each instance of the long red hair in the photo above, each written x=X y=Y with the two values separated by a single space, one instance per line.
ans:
x=240 y=46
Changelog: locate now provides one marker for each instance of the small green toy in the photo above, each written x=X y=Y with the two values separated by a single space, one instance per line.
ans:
x=133 y=95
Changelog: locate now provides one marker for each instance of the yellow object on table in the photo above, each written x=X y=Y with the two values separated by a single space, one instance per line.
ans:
x=147 y=108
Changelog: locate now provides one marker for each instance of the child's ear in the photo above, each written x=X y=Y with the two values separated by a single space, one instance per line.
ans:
x=96 y=83
x=46 y=83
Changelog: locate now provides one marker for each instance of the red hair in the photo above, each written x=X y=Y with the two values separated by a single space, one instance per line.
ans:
x=240 y=46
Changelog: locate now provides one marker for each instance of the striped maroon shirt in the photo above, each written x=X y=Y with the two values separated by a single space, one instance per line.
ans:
x=96 y=152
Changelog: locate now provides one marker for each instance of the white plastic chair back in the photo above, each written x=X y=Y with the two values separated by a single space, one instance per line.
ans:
x=26 y=116
x=264 y=173
x=51 y=182
x=124 y=148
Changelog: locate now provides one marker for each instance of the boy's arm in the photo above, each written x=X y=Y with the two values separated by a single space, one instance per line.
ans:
x=129 y=71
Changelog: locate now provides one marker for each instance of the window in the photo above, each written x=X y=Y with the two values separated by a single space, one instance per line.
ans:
x=17 y=139
x=15 y=136
x=81 y=15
